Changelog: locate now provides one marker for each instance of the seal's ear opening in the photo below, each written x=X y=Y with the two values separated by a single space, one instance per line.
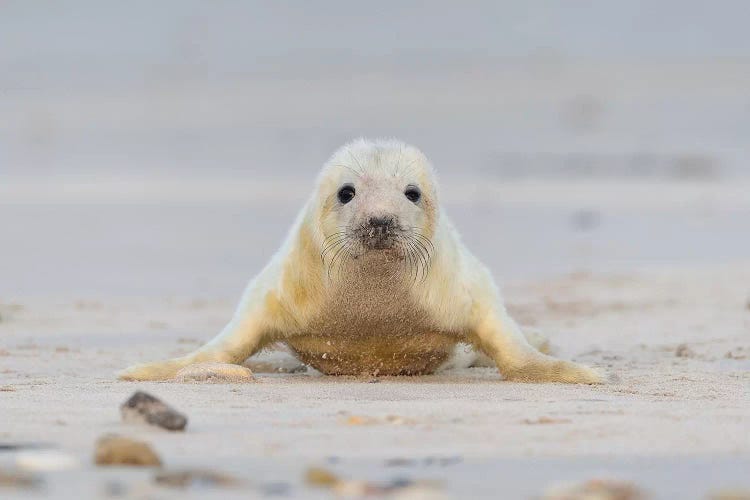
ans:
x=346 y=194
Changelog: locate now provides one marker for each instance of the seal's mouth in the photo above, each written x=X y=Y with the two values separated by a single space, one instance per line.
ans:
x=378 y=242
x=381 y=245
x=383 y=239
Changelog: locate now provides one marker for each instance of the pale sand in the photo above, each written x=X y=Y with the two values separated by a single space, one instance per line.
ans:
x=676 y=426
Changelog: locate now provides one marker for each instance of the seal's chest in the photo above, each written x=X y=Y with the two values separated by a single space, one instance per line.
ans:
x=372 y=327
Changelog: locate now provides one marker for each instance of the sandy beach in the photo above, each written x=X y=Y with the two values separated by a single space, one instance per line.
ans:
x=593 y=156
x=677 y=340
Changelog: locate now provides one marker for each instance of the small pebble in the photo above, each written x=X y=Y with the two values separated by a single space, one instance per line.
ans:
x=355 y=488
x=118 y=450
x=683 y=351
x=144 y=408
x=213 y=372
x=317 y=476
x=737 y=353
x=358 y=420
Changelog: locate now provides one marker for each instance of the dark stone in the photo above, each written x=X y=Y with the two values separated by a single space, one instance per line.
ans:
x=145 y=408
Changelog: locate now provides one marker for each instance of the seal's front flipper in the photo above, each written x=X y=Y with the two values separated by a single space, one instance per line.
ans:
x=497 y=335
x=159 y=370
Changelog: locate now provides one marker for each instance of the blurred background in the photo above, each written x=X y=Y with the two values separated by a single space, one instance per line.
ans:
x=164 y=147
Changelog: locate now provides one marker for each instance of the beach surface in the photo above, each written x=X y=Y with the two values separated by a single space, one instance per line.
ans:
x=593 y=156
x=676 y=336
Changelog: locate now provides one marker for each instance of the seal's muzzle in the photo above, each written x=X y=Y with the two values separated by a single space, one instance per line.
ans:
x=379 y=233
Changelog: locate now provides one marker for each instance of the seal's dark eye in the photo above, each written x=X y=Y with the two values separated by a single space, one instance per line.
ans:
x=346 y=193
x=413 y=193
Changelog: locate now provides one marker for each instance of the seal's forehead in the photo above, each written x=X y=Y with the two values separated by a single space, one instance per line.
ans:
x=375 y=159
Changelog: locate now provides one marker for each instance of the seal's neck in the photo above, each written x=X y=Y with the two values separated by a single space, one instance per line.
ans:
x=376 y=271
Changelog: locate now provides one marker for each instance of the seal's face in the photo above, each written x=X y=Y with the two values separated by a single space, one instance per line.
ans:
x=380 y=204
x=381 y=213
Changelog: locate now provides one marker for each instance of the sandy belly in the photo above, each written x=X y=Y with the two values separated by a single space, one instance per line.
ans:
x=412 y=354
x=369 y=325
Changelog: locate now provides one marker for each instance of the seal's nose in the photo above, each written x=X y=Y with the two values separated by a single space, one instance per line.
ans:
x=380 y=231
x=381 y=222
x=381 y=227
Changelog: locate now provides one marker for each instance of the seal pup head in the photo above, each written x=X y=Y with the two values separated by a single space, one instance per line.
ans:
x=378 y=207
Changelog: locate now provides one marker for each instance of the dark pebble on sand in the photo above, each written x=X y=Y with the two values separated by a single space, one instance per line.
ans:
x=145 y=408
x=683 y=351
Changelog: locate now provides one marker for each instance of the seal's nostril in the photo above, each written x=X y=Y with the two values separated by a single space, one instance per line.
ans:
x=381 y=222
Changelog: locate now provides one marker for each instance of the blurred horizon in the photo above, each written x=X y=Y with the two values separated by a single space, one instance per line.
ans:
x=508 y=89
x=165 y=147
